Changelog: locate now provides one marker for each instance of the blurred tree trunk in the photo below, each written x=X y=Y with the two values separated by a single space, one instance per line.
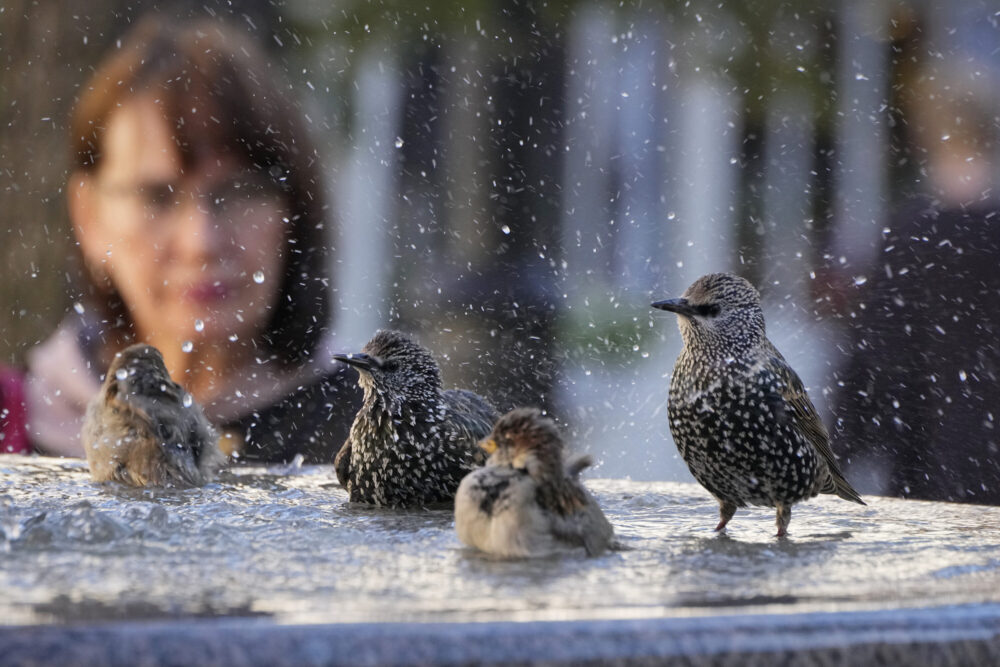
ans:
x=42 y=51
x=479 y=223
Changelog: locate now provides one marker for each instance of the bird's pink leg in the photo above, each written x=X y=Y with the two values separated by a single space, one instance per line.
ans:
x=726 y=512
x=783 y=518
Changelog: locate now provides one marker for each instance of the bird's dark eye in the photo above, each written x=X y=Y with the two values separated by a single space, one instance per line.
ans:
x=389 y=365
x=707 y=309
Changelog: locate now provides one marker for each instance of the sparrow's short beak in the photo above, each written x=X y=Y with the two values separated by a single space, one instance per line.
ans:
x=489 y=445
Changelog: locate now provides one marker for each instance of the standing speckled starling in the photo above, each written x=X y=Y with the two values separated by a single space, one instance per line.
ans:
x=739 y=414
x=526 y=501
x=411 y=442
x=144 y=429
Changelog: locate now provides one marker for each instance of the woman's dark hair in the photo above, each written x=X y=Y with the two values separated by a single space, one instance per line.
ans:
x=240 y=109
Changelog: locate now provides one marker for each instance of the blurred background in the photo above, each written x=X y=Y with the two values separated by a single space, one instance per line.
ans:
x=516 y=181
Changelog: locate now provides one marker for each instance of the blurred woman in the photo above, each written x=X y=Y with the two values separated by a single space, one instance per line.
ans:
x=197 y=204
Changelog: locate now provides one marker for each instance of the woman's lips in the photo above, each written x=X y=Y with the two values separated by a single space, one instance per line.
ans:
x=207 y=292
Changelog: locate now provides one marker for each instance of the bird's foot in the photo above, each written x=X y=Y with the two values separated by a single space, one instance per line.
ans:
x=726 y=512
x=784 y=516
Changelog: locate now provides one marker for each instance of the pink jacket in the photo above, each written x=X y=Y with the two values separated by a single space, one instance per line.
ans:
x=13 y=416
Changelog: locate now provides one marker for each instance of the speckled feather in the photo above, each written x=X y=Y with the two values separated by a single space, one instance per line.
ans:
x=411 y=442
x=139 y=431
x=738 y=412
x=526 y=501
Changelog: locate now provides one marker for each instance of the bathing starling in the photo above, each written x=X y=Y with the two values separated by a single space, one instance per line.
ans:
x=143 y=429
x=526 y=501
x=738 y=413
x=411 y=442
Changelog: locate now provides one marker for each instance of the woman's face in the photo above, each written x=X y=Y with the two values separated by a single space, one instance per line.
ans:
x=195 y=256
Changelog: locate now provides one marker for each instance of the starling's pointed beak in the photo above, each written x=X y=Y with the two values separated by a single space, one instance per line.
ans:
x=359 y=360
x=679 y=306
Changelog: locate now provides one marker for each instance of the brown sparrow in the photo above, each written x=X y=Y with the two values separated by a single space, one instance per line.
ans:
x=526 y=501
x=143 y=429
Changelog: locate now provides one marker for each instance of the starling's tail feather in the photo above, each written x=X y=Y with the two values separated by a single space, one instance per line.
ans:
x=839 y=486
x=850 y=494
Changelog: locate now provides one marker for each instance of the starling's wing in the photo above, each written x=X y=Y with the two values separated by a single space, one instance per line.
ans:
x=807 y=421
x=342 y=464
x=472 y=415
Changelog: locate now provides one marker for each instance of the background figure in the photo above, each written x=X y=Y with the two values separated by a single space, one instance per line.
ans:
x=197 y=205
x=477 y=219
x=920 y=394
x=578 y=162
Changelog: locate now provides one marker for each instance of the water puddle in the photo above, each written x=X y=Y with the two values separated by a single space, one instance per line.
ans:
x=286 y=544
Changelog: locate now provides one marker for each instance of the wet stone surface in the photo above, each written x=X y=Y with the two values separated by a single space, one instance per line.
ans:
x=286 y=544
x=283 y=547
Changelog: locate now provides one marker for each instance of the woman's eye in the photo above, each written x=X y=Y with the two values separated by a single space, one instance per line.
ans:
x=159 y=197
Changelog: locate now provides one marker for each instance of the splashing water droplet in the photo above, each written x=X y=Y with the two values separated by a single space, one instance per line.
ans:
x=187 y=400
x=962 y=376
x=505 y=229
x=121 y=373
x=187 y=346
x=78 y=307
x=199 y=325
x=258 y=277
x=399 y=142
